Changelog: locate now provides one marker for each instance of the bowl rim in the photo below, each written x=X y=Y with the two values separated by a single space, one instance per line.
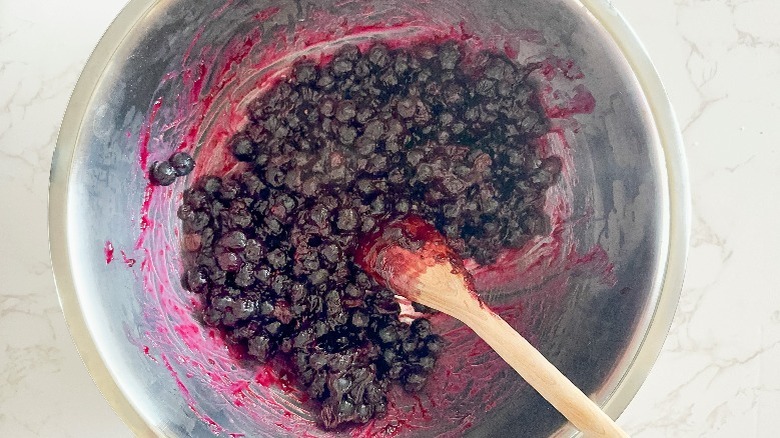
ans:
x=677 y=199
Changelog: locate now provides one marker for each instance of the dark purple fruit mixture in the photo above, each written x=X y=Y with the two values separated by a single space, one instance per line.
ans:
x=162 y=173
x=332 y=153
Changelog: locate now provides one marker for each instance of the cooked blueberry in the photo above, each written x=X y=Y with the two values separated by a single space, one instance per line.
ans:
x=253 y=251
x=318 y=277
x=210 y=183
x=414 y=382
x=348 y=219
x=406 y=108
x=304 y=72
x=342 y=66
x=263 y=275
x=421 y=327
x=196 y=279
x=243 y=148
x=434 y=344
x=260 y=348
x=162 y=173
x=388 y=334
x=234 y=240
x=274 y=176
x=182 y=163
x=360 y=319
x=449 y=55
x=347 y=134
x=378 y=55
x=229 y=261
x=346 y=111
x=245 y=276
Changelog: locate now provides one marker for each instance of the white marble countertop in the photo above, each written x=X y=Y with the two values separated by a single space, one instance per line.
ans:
x=718 y=373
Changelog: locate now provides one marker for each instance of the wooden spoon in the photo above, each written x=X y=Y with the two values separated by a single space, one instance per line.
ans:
x=410 y=257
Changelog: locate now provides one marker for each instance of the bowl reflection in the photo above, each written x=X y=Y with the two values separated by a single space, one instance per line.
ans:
x=595 y=296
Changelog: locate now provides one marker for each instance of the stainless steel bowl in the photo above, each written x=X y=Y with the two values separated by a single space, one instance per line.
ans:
x=600 y=314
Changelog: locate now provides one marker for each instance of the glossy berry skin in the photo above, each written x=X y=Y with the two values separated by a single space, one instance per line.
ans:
x=162 y=173
x=182 y=163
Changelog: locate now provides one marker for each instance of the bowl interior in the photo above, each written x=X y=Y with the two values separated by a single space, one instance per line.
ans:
x=179 y=79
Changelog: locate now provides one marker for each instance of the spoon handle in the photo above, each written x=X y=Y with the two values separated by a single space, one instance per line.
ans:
x=540 y=373
x=442 y=287
x=434 y=276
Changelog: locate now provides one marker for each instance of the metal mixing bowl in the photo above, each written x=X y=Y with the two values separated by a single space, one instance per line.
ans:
x=600 y=314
